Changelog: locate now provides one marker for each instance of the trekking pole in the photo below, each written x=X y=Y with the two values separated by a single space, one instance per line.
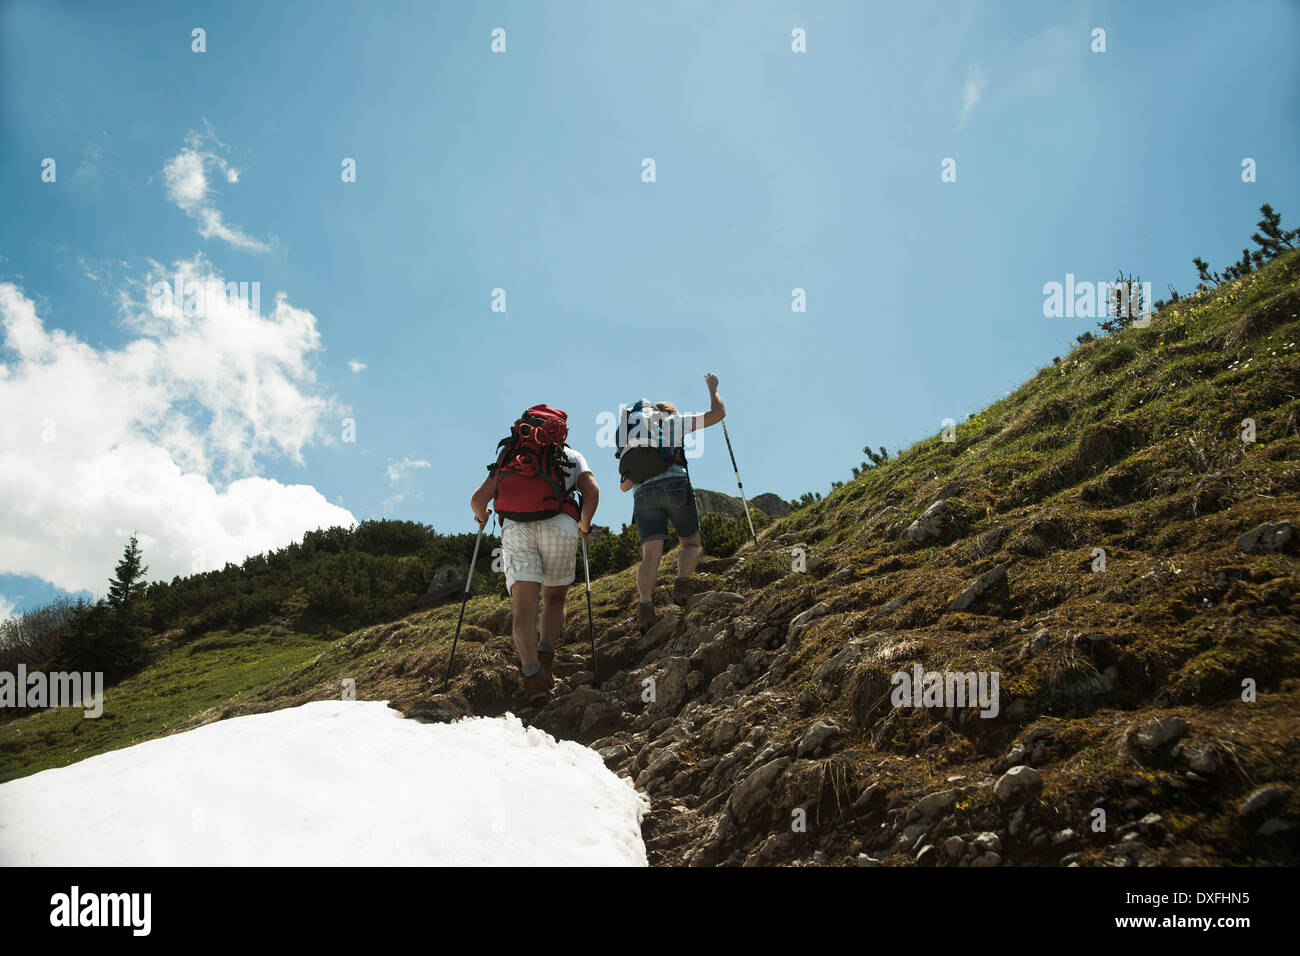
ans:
x=738 y=484
x=469 y=578
x=591 y=625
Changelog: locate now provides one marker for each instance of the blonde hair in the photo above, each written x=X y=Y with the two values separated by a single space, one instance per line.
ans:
x=668 y=407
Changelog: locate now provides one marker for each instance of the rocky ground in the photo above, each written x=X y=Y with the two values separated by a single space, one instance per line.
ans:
x=760 y=747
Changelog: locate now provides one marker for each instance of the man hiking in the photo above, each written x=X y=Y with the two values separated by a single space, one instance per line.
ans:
x=652 y=460
x=532 y=483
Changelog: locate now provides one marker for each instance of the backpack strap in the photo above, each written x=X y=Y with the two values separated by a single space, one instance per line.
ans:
x=573 y=497
x=504 y=447
x=676 y=454
x=567 y=497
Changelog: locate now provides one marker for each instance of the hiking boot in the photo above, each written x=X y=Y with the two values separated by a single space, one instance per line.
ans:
x=548 y=667
x=685 y=588
x=646 y=616
x=537 y=690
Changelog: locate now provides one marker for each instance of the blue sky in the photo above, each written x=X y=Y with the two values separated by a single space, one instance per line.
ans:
x=522 y=170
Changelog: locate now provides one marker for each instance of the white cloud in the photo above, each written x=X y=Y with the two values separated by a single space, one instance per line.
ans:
x=6 y=608
x=357 y=367
x=399 y=473
x=187 y=184
x=186 y=178
x=89 y=168
x=970 y=93
x=401 y=470
x=103 y=272
x=162 y=437
x=249 y=373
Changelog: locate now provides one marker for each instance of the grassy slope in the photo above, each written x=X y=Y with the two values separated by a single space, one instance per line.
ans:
x=216 y=669
x=1130 y=444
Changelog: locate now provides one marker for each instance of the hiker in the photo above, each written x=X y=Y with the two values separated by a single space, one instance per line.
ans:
x=532 y=483
x=652 y=460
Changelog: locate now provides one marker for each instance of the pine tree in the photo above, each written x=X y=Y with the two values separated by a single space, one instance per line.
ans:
x=1273 y=238
x=1126 y=302
x=109 y=636
x=128 y=579
x=1206 y=276
x=1242 y=268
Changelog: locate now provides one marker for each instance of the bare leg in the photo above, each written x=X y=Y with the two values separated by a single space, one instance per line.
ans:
x=523 y=600
x=688 y=557
x=553 y=614
x=648 y=573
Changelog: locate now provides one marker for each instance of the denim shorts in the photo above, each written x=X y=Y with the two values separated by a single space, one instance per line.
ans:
x=655 y=503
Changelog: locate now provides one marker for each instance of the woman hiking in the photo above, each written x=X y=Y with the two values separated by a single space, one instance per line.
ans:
x=652 y=464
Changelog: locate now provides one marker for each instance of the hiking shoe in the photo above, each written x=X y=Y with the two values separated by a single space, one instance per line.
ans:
x=548 y=667
x=646 y=616
x=685 y=588
x=537 y=690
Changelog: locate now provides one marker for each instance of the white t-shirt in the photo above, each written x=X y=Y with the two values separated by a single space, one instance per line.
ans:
x=575 y=465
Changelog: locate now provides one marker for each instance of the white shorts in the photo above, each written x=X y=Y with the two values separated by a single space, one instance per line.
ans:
x=542 y=551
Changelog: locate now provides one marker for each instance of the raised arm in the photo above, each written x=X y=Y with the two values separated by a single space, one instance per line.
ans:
x=717 y=411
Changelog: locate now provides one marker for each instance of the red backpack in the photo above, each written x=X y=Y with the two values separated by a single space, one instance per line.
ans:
x=530 y=467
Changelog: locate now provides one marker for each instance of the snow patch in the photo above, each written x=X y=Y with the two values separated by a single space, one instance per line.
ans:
x=330 y=783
